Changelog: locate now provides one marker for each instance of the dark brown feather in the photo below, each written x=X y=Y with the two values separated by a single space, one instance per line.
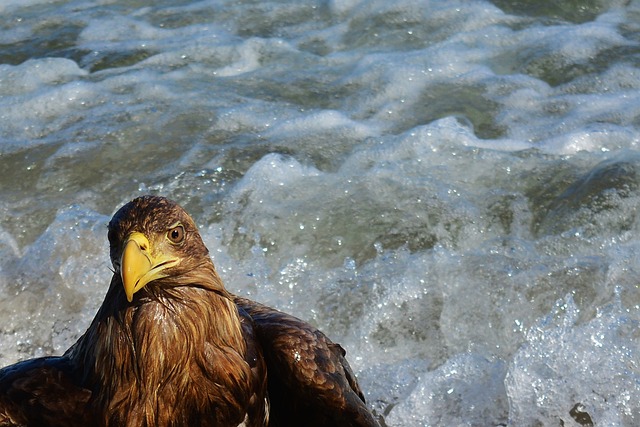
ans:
x=310 y=381
x=184 y=352
x=42 y=392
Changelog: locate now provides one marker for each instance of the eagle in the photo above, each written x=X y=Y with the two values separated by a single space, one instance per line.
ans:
x=171 y=346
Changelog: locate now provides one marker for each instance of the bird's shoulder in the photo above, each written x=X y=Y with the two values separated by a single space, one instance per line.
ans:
x=310 y=380
x=42 y=391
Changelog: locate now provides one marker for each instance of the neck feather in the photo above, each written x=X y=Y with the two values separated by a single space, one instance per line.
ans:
x=167 y=359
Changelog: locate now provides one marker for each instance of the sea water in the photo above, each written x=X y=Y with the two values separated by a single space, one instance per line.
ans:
x=447 y=188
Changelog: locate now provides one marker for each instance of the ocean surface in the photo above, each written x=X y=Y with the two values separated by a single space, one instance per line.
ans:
x=448 y=188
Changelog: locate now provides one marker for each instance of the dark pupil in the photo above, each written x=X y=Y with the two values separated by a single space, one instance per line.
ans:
x=176 y=234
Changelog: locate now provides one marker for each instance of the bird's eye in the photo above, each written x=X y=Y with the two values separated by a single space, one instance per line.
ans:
x=176 y=234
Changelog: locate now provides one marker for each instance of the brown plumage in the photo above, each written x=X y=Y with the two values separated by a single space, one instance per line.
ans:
x=170 y=346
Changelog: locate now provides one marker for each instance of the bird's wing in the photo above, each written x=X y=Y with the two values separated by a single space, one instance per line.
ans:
x=310 y=381
x=41 y=392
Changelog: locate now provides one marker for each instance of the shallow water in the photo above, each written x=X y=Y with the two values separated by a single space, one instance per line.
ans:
x=447 y=188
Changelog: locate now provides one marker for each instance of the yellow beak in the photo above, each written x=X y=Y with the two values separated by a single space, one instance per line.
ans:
x=138 y=266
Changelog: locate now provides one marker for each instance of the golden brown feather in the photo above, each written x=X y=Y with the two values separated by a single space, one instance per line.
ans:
x=170 y=346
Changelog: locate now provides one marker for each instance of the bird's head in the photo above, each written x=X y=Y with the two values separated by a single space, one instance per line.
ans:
x=155 y=243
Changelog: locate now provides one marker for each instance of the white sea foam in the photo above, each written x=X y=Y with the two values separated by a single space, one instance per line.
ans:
x=448 y=188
